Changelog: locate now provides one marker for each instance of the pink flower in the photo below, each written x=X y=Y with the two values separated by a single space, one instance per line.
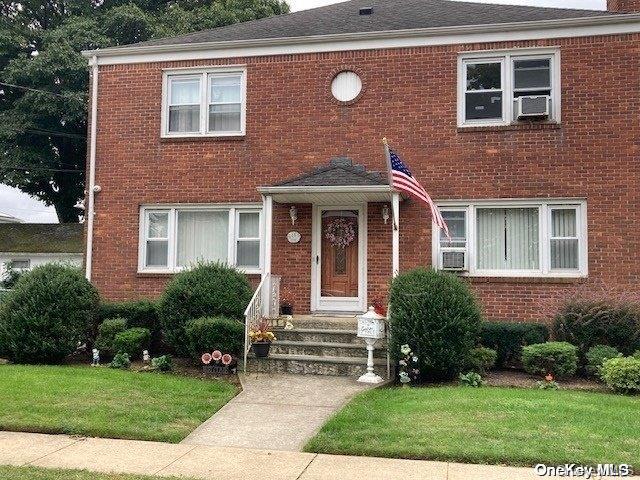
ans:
x=206 y=358
x=216 y=355
x=226 y=359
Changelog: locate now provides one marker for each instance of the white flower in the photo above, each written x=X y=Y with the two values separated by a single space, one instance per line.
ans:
x=402 y=363
x=405 y=349
x=415 y=358
x=404 y=377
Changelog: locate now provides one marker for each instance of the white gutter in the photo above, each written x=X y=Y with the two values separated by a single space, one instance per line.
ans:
x=92 y=164
x=457 y=31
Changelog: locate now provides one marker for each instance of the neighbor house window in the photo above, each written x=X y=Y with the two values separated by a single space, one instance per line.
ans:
x=20 y=265
x=515 y=238
x=175 y=238
x=204 y=103
x=490 y=84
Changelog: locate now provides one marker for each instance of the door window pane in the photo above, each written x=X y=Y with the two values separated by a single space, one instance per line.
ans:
x=507 y=239
x=202 y=237
x=564 y=239
x=532 y=74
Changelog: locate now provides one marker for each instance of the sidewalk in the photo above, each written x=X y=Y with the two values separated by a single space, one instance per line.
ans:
x=228 y=463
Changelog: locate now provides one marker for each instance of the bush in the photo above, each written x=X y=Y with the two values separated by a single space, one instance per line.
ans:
x=437 y=316
x=121 y=360
x=482 y=359
x=597 y=355
x=558 y=358
x=107 y=332
x=132 y=341
x=163 y=363
x=471 y=379
x=508 y=338
x=622 y=374
x=47 y=314
x=586 y=323
x=138 y=313
x=209 y=290
x=209 y=334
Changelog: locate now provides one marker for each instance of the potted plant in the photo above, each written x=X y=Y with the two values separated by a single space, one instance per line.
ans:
x=261 y=337
x=286 y=305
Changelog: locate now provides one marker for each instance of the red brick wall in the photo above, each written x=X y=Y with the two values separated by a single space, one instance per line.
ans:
x=293 y=125
x=623 y=5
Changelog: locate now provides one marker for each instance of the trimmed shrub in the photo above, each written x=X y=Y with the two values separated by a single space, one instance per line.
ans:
x=138 y=313
x=508 y=338
x=596 y=356
x=48 y=313
x=622 y=374
x=132 y=341
x=586 y=323
x=209 y=290
x=435 y=314
x=558 y=358
x=121 y=360
x=209 y=334
x=482 y=359
x=107 y=332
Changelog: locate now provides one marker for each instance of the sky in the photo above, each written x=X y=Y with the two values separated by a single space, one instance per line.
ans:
x=17 y=204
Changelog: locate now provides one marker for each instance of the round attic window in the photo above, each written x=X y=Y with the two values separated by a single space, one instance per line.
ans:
x=346 y=86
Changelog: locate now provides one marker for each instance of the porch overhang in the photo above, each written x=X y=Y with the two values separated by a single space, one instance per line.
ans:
x=329 y=194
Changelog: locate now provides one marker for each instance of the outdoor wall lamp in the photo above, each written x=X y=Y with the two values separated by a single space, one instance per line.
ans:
x=385 y=213
x=293 y=213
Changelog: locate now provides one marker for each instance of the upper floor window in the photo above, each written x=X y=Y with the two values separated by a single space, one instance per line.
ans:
x=204 y=103
x=525 y=238
x=500 y=88
x=175 y=238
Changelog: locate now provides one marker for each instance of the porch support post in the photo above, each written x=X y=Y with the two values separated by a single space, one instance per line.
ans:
x=267 y=211
x=395 y=242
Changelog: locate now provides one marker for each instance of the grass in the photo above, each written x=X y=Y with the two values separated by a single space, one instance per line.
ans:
x=33 y=473
x=486 y=425
x=102 y=402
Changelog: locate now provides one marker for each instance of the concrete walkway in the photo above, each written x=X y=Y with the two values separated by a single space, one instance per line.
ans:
x=227 y=463
x=276 y=412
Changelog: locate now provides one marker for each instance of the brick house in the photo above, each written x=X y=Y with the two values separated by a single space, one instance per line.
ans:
x=250 y=143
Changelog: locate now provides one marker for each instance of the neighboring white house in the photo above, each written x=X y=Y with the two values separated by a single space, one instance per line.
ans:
x=27 y=245
x=4 y=218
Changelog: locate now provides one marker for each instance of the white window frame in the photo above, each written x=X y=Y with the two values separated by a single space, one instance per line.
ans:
x=508 y=57
x=204 y=74
x=544 y=231
x=172 y=267
x=19 y=269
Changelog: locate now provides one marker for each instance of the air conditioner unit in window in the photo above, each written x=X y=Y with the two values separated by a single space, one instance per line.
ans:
x=533 y=106
x=454 y=260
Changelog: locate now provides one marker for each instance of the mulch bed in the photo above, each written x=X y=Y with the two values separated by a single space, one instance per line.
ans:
x=515 y=378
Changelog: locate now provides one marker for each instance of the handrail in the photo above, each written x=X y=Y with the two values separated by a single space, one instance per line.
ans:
x=253 y=313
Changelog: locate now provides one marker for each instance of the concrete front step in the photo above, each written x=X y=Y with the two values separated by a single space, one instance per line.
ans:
x=319 y=335
x=314 y=365
x=323 y=349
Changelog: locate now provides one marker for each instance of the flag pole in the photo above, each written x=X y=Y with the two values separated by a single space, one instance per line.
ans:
x=387 y=155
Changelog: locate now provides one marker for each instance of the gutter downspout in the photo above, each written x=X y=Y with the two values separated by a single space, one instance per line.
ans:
x=92 y=164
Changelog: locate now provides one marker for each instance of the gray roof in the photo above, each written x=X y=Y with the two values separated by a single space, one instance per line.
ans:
x=41 y=238
x=339 y=172
x=387 y=15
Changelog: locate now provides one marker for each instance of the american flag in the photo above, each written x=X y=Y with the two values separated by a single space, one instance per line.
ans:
x=402 y=180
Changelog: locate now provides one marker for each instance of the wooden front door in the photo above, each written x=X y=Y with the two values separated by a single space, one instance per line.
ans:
x=339 y=248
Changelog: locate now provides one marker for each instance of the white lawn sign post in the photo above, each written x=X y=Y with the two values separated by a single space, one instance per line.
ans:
x=371 y=328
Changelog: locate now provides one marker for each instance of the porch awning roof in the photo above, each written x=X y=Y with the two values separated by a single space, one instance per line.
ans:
x=339 y=182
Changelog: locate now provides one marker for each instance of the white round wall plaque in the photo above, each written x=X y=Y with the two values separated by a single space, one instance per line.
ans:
x=293 y=237
x=346 y=86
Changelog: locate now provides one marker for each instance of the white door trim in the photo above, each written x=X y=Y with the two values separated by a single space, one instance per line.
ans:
x=318 y=303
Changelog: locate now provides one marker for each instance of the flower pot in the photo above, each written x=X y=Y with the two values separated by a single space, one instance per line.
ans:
x=261 y=349
x=286 y=309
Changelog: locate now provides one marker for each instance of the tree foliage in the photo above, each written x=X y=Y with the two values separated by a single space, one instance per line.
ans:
x=44 y=78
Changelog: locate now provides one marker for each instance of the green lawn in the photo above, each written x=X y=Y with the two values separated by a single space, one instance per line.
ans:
x=32 y=473
x=486 y=425
x=103 y=402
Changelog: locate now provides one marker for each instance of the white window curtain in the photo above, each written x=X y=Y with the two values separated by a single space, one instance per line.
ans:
x=564 y=239
x=184 y=105
x=507 y=239
x=157 y=239
x=248 y=244
x=225 y=105
x=202 y=236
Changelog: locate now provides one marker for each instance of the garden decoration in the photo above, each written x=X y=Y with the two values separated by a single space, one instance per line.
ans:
x=217 y=363
x=286 y=305
x=145 y=356
x=261 y=337
x=95 y=361
x=408 y=370
x=340 y=232
x=371 y=329
x=288 y=325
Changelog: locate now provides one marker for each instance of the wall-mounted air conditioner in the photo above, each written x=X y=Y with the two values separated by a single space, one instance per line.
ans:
x=453 y=259
x=533 y=106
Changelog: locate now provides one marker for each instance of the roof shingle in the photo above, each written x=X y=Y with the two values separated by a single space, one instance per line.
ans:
x=41 y=238
x=340 y=172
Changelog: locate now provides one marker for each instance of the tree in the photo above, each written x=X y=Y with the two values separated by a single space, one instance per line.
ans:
x=44 y=78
